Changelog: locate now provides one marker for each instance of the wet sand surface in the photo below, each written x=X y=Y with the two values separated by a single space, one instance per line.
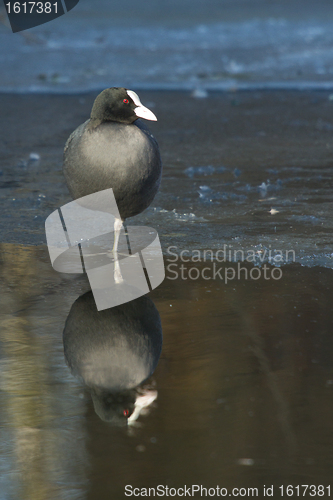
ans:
x=244 y=386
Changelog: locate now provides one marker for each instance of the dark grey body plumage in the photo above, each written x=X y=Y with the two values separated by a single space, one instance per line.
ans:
x=124 y=157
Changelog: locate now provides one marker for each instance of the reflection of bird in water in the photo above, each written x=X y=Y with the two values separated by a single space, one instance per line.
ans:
x=113 y=352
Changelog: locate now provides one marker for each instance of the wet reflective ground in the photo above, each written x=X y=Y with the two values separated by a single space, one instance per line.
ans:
x=244 y=386
x=242 y=392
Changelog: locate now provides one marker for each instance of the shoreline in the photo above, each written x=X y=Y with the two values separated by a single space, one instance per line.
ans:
x=299 y=86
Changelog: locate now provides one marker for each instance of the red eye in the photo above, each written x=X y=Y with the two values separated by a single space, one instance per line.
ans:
x=126 y=412
x=126 y=101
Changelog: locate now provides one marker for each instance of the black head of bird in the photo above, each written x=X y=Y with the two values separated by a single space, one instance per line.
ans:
x=118 y=104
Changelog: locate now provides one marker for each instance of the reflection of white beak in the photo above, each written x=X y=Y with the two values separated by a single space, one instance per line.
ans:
x=141 y=111
x=145 y=113
x=142 y=402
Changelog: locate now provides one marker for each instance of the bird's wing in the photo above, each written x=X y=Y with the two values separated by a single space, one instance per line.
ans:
x=75 y=135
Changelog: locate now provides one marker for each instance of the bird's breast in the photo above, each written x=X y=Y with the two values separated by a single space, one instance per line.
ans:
x=118 y=156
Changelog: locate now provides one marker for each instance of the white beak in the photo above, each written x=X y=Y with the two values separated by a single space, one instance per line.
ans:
x=143 y=112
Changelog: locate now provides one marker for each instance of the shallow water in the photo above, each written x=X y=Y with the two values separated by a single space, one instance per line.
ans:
x=244 y=387
x=244 y=380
